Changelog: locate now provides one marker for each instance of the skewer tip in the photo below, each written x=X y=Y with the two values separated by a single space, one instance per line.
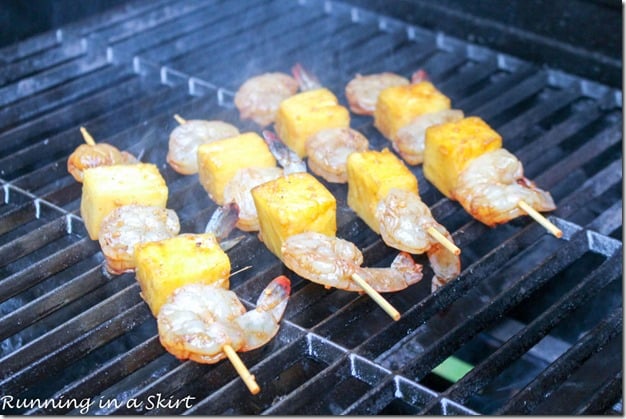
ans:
x=86 y=136
x=538 y=217
x=242 y=370
x=180 y=119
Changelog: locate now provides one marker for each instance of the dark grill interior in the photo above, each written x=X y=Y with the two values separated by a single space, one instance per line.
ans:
x=539 y=319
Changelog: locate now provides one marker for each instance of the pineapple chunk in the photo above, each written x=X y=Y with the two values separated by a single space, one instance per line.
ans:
x=220 y=160
x=304 y=114
x=293 y=204
x=399 y=105
x=165 y=265
x=371 y=174
x=451 y=146
x=106 y=188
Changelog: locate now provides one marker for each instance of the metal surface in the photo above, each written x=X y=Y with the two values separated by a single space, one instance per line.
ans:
x=534 y=315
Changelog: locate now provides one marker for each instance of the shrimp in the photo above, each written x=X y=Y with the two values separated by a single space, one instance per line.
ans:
x=404 y=221
x=491 y=186
x=198 y=320
x=409 y=140
x=328 y=151
x=306 y=80
x=287 y=158
x=362 y=91
x=185 y=139
x=93 y=155
x=222 y=223
x=238 y=189
x=259 y=97
x=126 y=226
x=331 y=261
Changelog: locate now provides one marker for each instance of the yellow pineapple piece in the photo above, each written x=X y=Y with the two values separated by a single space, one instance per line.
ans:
x=106 y=188
x=371 y=174
x=449 y=147
x=399 y=105
x=306 y=113
x=162 y=266
x=293 y=204
x=220 y=160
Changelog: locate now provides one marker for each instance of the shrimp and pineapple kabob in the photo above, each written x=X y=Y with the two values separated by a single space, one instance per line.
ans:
x=417 y=119
x=466 y=162
x=123 y=206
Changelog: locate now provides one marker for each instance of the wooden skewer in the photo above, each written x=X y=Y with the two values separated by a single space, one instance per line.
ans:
x=245 y=268
x=87 y=137
x=443 y=240
x=379 y=299
x=180 y=119
x=540 y=219
x=243 y=372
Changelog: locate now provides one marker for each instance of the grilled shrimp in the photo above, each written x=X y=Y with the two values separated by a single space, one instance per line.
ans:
x=93 y=155
x=287 y=158
x=328 y=151
x=404 y=221
x=491 y=186
x=259 y=97
x=198 y=320
x=126 y=226
x=331 y=261
x=362 y=91
x=184 y=140
x=409 y=140
x=238 y=189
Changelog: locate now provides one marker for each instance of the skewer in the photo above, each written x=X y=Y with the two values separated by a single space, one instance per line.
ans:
x=540 y=219
x=87 y=137
x=243 y=372
x=180 y=119
x=443 y=240
x=379 y=299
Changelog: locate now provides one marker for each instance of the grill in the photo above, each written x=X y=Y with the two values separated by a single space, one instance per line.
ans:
x=538 y=319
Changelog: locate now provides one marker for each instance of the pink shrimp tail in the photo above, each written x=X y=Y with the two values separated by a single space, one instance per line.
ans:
x=305 y=79
x=419 y=75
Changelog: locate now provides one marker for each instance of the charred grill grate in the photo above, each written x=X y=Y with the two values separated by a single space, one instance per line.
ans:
x=539 y=319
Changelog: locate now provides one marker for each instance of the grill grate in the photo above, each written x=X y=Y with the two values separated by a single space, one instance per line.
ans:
x=536 y=317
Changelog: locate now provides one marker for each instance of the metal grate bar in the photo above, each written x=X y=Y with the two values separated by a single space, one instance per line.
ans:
x=106 y=375
x=46 y=266
x=33 y=240
x=72 y=340
x=49 y=100
x=525 y=401
x=40 y=307
x=397 y=332
x=50 y=78
x=610 y=390
x=36 y=131
x=517 y=345
x=515 y=293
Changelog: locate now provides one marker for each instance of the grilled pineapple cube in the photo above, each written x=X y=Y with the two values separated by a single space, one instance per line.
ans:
x=306 y=113
x=293 y=204
x=106 y=188
x=220 y=160
x=162 y=266
x=399 y=105
x=449 y=147
x=371 y=174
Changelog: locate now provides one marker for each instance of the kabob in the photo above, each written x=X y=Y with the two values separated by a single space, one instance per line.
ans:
x=417 y=119
x=184 y=279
